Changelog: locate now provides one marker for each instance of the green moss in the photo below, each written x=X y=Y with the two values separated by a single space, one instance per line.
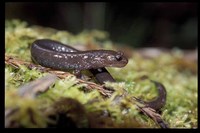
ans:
x=181 y=84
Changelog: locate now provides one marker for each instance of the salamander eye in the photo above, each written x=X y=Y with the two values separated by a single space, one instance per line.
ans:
x=119 y=55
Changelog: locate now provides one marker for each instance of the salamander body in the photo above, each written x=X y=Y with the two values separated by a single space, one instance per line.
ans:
x=58 y=56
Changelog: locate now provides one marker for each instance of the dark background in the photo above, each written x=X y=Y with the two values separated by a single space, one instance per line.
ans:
x=146 y=24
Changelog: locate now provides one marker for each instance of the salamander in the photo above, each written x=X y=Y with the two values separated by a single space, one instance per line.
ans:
x=53 y=54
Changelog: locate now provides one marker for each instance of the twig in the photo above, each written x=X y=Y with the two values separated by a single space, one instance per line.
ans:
x=153 y=115
x=32 y=88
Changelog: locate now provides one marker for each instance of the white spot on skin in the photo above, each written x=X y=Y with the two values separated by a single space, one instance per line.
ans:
x=58 y=56
x=99 y=70
x=85 y=57
x=63 y=49
x=97 y=58
x=110 y=58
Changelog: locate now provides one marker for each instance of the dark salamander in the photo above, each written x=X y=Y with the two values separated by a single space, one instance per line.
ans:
x=58 y=56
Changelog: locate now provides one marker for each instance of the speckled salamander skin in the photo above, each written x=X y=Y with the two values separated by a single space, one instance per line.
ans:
x=58 y=56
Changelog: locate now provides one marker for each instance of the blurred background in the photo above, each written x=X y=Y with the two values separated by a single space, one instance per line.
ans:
x=154 y=24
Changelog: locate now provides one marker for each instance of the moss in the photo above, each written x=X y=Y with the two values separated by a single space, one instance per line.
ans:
x=179 y=78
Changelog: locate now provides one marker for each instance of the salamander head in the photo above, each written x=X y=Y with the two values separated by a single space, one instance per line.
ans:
x=116 y=59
